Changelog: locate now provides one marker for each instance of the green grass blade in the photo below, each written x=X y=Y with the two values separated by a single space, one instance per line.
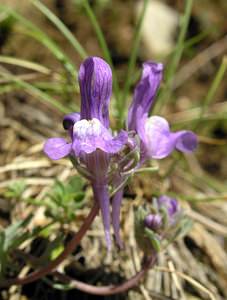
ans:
x=98 y=31
x=212 y=90
x=169 y=76
x=55 y=87
x=4 y=89
x=43 y=38
x=196 y=39
x=61 y=27
x=177 y=125
x=131 y=64
x=25 y=64
x=29 y=88
x=102 y=43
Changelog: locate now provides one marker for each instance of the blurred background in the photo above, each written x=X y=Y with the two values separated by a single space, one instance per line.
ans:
x=42 y=44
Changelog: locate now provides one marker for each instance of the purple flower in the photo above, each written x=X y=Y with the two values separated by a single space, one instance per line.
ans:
x=144 y=94
x=92 y=146
x=107 y=159
x=157 y=141
x=167 y=210
x=153 y=221
x=170 y=204
x=158 y=225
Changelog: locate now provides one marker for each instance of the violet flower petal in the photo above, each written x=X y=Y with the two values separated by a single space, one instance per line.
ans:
x=56 y=148
x=171 y=204
x=144 y=94
x=95 y=79
x=186 y=141
x=88 y=136
x=157 y=138
x=160 y=142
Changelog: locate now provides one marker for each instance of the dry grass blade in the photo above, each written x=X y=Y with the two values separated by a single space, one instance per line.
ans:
x=200 y=61
x=189 y=279
x=215 y=111
x=211 y=141
x=212 y=225
x=42 y=163
x=176 y=279
x=27 y=181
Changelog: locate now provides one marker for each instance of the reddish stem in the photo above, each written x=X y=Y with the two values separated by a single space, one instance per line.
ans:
x=110 y=289
x=70 y=247
x=104 y=290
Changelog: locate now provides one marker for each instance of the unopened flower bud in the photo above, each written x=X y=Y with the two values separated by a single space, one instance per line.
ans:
x=153 y=222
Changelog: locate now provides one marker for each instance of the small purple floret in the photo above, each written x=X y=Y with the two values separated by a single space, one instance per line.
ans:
x=153 y=222
x=171 y=204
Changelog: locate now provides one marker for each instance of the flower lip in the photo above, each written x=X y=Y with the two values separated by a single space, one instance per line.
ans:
x=187 y=142
x=156 y=137
x=159 y=141
x=90 y=135
x=56 y=148
x=87 y=128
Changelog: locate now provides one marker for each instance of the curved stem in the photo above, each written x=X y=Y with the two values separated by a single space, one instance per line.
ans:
x=53 y=264
x=110 y=289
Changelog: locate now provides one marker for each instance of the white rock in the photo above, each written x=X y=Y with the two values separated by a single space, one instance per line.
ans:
x=159 y=28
